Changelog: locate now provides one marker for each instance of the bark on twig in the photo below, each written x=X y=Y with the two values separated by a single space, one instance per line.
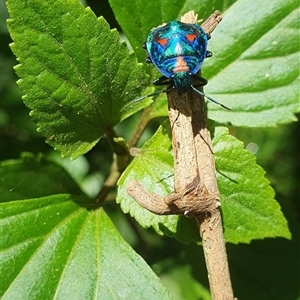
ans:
x=196 y=192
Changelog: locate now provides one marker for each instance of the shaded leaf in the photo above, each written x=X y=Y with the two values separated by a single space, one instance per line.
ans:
x=180 y=277
x=58 y=247
x=278 y=275
x=33 y=177
x=78 y=77
x=261 y=270
x=248 y=205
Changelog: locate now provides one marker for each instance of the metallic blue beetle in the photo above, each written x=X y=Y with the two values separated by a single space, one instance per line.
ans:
x=178 y=50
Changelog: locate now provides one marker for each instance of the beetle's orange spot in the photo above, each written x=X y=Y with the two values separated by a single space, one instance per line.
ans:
x=162 y=42
x=180 y=65
x=191 y=37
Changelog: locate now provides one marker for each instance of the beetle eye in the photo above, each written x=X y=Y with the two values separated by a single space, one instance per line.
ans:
x=190 y=37
x=162 y=42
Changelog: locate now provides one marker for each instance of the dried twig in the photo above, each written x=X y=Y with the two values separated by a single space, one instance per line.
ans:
x=196 y=192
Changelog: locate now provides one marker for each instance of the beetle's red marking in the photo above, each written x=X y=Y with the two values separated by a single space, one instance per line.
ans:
x=162 y=42
x=180 y=65
x=191 y=37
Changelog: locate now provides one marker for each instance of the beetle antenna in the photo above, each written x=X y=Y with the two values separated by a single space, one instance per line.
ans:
x=209 y=98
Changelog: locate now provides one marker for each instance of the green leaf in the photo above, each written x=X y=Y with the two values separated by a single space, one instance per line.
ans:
x=159 y=108
x=254 y=69
x=79 y=79
x=248 y=205
x=255 y=65
x=33 y=177
x=138 y=17
x=58 y=247
x=181 y=282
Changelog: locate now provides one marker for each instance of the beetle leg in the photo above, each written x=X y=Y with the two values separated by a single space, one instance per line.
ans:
x=201 y=80
x=208 y=54
x=163 y=80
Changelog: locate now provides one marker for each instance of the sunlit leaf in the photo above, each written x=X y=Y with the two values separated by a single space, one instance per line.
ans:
x=58 y=246
x=138 y=17
x=79 y=79
x=248 y=205
x=254 y=69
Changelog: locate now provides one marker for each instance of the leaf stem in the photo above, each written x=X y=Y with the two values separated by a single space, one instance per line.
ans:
x=121 y=155
x=119 y=164
x=143 y=122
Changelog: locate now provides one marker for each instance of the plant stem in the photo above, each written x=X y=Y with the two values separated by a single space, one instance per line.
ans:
x=143 y=122
x=196 y=191
x=120 y=162
x=210 y=222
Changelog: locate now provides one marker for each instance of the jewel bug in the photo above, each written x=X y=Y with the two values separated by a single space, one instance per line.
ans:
x=178 y=51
